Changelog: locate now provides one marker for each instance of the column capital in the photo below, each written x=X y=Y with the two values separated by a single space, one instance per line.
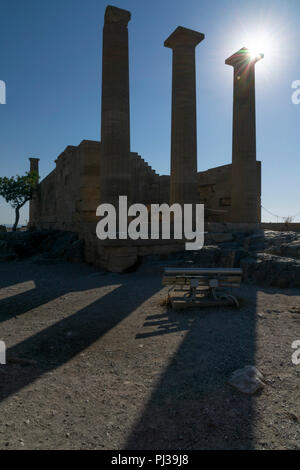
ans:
x=114 y=15
x=243 y=57
x=183 y=37
x=34 y=159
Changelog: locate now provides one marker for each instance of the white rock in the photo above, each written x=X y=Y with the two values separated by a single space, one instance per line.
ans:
x=247 y=380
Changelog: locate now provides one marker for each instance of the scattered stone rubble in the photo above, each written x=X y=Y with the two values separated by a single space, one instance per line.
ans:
x=267 y=258
x=44 y=247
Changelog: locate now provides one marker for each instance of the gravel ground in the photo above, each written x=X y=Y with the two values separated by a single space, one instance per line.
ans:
x=99 y=362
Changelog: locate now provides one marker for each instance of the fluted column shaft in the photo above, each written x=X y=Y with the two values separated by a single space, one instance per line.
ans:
x=183 y=185
x=115 y=122
x=245 y=199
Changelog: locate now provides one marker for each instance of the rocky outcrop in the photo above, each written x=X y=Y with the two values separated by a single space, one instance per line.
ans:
x=290 y=250
x=41 y=246
x=274 y=271
x=267 y=258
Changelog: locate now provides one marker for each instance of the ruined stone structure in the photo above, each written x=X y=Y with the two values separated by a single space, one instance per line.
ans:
x=245 y=197
x=115 y=165
x=96 y=172
x=34 y=202
x=183 y=184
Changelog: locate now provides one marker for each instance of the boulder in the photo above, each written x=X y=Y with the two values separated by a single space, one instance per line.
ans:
x=247 y=380
x=271 y=270
x=255 y=242
x=291 y=250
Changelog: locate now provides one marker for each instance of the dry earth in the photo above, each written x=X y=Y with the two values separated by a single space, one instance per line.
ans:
x=99 y=362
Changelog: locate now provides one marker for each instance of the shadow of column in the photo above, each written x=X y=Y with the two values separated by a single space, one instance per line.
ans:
x=193 y=407
x=50 y=348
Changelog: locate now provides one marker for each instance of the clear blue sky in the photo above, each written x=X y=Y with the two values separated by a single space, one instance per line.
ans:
x=50 y=59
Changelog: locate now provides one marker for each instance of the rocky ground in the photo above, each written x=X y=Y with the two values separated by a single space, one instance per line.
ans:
x=268 y=258
x=45 y=246
x=99 y=361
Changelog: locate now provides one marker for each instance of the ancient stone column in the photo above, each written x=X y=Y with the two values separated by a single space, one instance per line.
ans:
x=245 y=199
x=183 y=184
x=115 y=124
x=34 y=202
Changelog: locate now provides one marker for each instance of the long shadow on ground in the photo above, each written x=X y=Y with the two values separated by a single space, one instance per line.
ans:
x=192 y=406
x=49 y=347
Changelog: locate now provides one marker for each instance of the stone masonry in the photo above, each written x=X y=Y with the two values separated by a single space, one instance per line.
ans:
x=115 y=177
x=34 y=203
x=184 y=187
x=245 y=197
x=95 y=172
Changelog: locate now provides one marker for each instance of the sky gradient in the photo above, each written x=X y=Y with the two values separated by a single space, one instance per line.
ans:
x=50 y=54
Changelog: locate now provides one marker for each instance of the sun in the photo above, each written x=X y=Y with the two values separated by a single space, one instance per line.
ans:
x=255 y=53
x=264 y=36
x=258 y=45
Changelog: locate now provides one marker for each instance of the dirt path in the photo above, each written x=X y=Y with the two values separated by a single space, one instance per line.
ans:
x=114 y=369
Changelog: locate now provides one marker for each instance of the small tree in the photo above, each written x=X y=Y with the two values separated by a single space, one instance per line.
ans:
x=18 y=190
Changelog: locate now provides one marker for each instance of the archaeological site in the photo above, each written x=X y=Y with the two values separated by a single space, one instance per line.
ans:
x=98 y=172
x=146 y=344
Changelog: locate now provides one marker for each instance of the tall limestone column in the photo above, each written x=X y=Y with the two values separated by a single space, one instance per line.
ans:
x=183 y=187
x=34 y=202
x=245 y=199
x=115 y=121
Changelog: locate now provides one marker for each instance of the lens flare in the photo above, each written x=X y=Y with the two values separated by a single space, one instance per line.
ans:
x=259 y=45
x=255 y=53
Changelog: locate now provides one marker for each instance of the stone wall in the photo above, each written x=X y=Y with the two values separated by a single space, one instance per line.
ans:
x=69 y=196
x=70 y=189
x=215 y=192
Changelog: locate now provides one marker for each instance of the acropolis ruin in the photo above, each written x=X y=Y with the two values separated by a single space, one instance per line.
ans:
x=100 y=171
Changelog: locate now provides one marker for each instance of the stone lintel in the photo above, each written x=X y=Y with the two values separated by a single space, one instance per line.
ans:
x=243 y=56
x=183 y=37
x=115 y=15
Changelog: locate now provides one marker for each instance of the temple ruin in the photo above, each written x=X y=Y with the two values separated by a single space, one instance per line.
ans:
x=94 y=172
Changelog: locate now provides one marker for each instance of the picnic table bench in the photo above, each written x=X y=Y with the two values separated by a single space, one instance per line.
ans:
x=202 y=287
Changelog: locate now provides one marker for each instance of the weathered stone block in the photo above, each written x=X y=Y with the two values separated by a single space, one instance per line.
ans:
x=121 y=259
x=221 y=237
